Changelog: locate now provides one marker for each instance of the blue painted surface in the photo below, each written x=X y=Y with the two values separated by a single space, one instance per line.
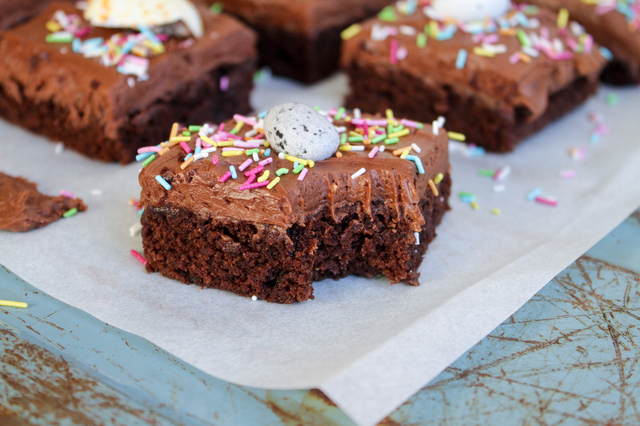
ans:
x=569 y=356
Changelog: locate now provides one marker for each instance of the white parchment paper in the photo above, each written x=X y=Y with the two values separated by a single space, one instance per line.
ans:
x=368 y=345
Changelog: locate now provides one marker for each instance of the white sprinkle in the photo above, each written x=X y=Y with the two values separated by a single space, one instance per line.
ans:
x=341 y=129
x=357 y=148
x=436 y=128
x=534 y=53
x=534 y=23
x=357 y=114
x=499 y=188
x=143 y=77
x=407 y=30
x=131 y=82
x=208 y=150
x=251 y=133
x=503 y=173
x=281 y=156
x=441 y=121
x=200 y=156
x=495 y=48
x=254 y=298
x=358 y=173
x=255 y=157
x=59 y=148
x=417 y=235
x=382 y=148
x=135 y=229
x=416 y=148
x=322 y=112
x=96 y=192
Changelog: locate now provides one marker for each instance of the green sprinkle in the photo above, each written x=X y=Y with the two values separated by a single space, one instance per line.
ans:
x=340 y=113
x=486 y=172
x=282 y=171
x=195 y=128
x=524 y=38
x=317 y=108
x=298 y=169
x=148 y=160
x=378 y=139
x=421 y=41
x=251 y=151
x=185 y=133
x=438 y=178
x=217 y=7
x=388 y=14
x=356 y=139
x=392 y=141
x=70 y=213
x=59 y=37
x=612 y=99
x=419 y=125
x=343 y=138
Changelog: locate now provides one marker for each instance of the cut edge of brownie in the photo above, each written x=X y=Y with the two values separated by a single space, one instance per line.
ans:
x=280 y=264
x=495 y=129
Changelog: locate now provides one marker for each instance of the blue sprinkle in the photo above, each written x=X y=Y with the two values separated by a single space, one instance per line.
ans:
x=140 y=211
x=595 y=138
x=606 y=53
x=76 y=44
x=163 y=182
x=234 y=175
x=262 y=114
x=295 y=164
x=143 y=156
x=267 y=152
x=189 y=155
x=198 y=149
x=417 y=161
x=149 y=34
x=127 y=47
x=477 y=151
x=93 y=42
x=533 y=194
x=462 y=59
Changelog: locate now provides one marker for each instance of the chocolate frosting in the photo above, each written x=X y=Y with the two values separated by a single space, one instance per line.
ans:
x=23 y=208
x=388 y=180
x=610 y=29
x=302 y=16
x=101 y=93
x=494 y=80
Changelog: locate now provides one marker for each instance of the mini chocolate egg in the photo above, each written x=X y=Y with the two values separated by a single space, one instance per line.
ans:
x=471 y=10
x=298 y=130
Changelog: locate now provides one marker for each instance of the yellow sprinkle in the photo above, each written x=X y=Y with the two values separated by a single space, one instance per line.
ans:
x=483 y=52
x=404 y=154
x=13 y=304
x=495 y=211
x=157 y=48
x=399 y=134
x=400 y=151
x=433 y=187
x=264 y=176
x=355 y=134
x=174 y=130
x=180 y=139
x=351 y=32
x=169 y=144
x=311 y=163
x=438 y=178
x=390 y=118
x=294 y=159
x=475 y=205
x=563 y=18
x=266 y=144
x=164 y=151
x=208 y=140
x=273 y=183
x=345 y=147
x=139 y=51
x=53 y=26
x=232 y=153
x=187 y=162
x=225 y=143
x=457 y=136
x=433 y=29
x=236 y=129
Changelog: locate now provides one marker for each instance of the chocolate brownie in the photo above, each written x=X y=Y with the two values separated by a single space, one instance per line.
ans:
x=272 y=227
x=106 y=103
x=14 y=12
x=301 y=39
x=614 y=25
x=23 y=208
x=496 y=81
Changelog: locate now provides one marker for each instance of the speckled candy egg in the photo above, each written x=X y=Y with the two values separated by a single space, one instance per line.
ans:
x=298 y=130
x=471 y=10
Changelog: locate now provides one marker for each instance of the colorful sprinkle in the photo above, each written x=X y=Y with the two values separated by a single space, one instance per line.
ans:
x=358 y=173
x=139 y=257
x=12 y=304
x=163 y=182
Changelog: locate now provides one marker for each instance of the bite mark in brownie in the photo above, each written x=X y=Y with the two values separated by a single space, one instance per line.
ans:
x=94 y=109
x=274 y=241
x=501 y=93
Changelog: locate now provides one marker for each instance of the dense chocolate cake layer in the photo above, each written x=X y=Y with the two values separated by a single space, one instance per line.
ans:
x=104 y=114
x=492 y=98
x=273 y=243
x=23 y=208
x=618 y=32
x=301 y=39
x=14 y=12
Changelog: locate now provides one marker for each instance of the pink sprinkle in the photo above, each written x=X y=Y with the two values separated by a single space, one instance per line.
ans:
x=409 y=123
x=198 y=143
x=373 y=152
x=254 y=171
x=67 y=194
x=214 y=160
x=230 y=148
x=82 y=32
x=547 y=201
x=162 y=37
x=544 y=32
x=266 y=161
x=254 y=185
x=603 y=130
x=245 y=120
x=365 y=127
x=224 y=83
x=588 y=43
x=221 y=127
x=139 y=257
x=514 y=59
x=605 y=8
x=246 y=164
x=491 y=39
x=250 y=180
x=573 y=44
x=577 y=153
x=149 y=149
x=477 y=38
x=303 y=173
x=394 y=52
x=333 y=111
x=246 y=144
x=224 y=177
x=185 y=147
x=568 y=174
